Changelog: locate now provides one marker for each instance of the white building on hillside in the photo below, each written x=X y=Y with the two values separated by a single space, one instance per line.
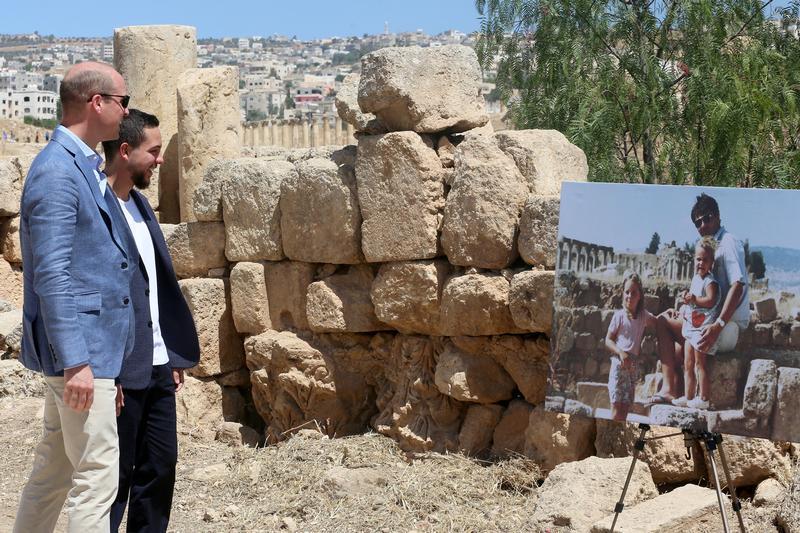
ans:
x=29 y=102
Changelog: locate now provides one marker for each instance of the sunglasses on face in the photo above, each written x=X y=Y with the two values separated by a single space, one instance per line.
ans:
x=705 y=219
x=125 y=98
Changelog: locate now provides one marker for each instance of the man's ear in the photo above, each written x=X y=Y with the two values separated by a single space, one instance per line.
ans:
x=124 y=151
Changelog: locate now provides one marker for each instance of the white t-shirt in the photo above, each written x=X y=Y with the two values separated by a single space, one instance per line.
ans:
x=144 y=243
x=729 y=267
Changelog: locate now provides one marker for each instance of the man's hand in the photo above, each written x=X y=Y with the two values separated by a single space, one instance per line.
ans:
x=708 y=336
x=119 y=400
x=177 y=377
x=78 y=388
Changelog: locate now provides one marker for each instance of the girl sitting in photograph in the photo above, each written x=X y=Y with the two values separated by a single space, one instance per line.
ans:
x=624 y=340
x=701 y=309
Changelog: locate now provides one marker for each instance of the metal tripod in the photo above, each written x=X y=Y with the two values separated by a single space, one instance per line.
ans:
x=713 y=442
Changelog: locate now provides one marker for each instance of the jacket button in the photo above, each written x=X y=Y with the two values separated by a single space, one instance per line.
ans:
x=147 y=292
x=124 y=265
x=126 y=301
x=149 y=323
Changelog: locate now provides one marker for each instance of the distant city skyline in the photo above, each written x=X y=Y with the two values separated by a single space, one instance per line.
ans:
x=312 y=19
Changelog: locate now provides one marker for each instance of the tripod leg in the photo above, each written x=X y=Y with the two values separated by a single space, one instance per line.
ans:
x=638 y=447
x=737 y=505
x=711 y=446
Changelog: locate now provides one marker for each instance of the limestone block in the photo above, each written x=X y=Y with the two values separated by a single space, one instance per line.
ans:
x=735 y=422
x=483 y=207
x=555 y=438
x=210 y=305
x=208 y=126
x=509 y=435
x=347 y=107
x=681 y=509
x=10 y=188
x=665 y=456
x=341 y=303
x=477 y=304
x=251 y=209
x=564 y=494
x=407 y=295
x=320 y=219
x=287 y=285
x=531 y=300
x=766 y=310
x=12 y=251
x=594 y=394
x=472 y=378
x=199 y=408
x=769 y=492
x=401 y=194
x=786 y=421
x=679 y=417
x=759 y=391
x=446 y=151
x=249 y=301
x=195 y=247
x=538 y=231
x=725 y=371
x=423 y=89
x=151 y=59
x=475 y=437
x=752 y=460
x=236 y=434
x=11 y=283
x=207 y=201
x=545 y=157
x=237 y=378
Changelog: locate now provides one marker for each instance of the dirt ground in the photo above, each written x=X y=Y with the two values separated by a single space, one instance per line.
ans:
x=312 y=483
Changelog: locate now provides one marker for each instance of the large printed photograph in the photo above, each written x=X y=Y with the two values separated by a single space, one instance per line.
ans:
x=679 y=306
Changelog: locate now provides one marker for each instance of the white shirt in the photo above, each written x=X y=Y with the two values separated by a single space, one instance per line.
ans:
x=93 y=157
x=144 y=243
x=729 y=267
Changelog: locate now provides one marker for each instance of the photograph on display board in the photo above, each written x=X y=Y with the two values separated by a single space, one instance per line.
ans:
x=678 y=306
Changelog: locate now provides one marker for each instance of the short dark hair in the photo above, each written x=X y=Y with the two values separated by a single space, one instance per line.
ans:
x=704 y=205
x=131 y=131
x=77 y=89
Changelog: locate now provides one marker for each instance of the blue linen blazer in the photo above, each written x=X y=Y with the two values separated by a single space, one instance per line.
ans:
x=77 y=269
x=177 y=325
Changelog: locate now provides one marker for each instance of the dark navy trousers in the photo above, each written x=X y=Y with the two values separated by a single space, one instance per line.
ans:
x=148 y=446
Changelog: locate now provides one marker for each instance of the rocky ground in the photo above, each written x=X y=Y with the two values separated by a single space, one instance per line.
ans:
x=312 y=483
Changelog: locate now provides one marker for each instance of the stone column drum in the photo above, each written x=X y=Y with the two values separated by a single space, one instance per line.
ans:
x=151 y=59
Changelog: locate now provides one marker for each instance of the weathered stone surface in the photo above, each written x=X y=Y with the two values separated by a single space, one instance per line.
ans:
x=531 y=300
x=151 y=59
x=207 y=201
x=475 y=437
x=682 y=509
x=10 y=187
x=509 y=434
x=237 y=378
x=320 y=219
x=287 y=286
x=786 y=421
x=251 y=209
x=199 y=408
x=483 y=206
x=210 y=305
x=545 y=157
x=769 y=492
x=752 y=460
x=564 y=494
x=236 y=434
x=11 y=283
x=10 y=328
x=16 y=380
x=446 y=151
x=725 y=371
x=341 y=302
x=299 y=384
x=401 y=194
x=679 y=417
x=347 y=107
x=195 y=247
x=766 y=310
x=759 y=391
x=665 y=456
x=477 y=304
x=735 y=422
x=472 y=378
x=538 y=231
x=12 y=251
x=208 y=126
x=555 y=438
x=397 y=85
x=789 y=512
x=407 y=295
x=249 y=301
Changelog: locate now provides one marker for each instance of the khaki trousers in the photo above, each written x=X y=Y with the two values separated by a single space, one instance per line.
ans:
x=77 y=460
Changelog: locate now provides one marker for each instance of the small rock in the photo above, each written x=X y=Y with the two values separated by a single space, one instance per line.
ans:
x=288 y=523
x=768 y=492
x=230 y=511
x=211 y=515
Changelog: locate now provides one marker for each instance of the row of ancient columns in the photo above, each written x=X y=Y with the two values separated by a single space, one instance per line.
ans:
x=582 y=257
x=298 y=133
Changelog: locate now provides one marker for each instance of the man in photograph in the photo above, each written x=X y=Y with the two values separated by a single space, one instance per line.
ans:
x=77 y=313
x=731 y=274
x=166 y=340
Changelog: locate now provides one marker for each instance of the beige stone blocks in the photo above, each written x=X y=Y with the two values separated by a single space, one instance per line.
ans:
x=341 y=302
x=195 y=247
x=477 y=304
x=249 y=298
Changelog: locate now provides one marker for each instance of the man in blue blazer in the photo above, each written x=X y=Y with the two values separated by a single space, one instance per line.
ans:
x=166 y=340
x=78 y=319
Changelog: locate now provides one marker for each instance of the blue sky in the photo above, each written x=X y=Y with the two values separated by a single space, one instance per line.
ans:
x=625 y=216
x=308 y=19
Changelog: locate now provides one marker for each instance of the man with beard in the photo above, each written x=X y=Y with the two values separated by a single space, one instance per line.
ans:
x=165 y=343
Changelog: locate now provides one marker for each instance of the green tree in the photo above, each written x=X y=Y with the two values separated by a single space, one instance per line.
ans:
x=757 y=266
x=654 y=91
x=655 y=241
